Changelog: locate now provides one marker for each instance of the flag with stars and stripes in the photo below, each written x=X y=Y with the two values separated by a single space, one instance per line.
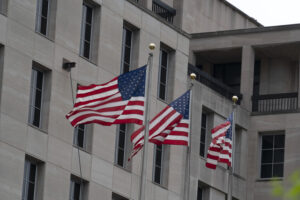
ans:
x=118 y=101
x=170 y=126
x=220 y=148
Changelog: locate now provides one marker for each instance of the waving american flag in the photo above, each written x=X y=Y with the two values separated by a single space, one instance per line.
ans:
x=220 y=149
x=118 y=101
x=170 y=126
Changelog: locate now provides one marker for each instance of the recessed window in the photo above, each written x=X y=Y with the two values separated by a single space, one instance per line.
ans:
x=203 y=191
x=90 y=29
x=33 y=173
x=37 y=84
x=130 y=40
x=79 y=136
x=163 y=74
x=86 y=30
x=123 y=146
x=272 y=155
x=45 y=17
x=3 y=7
x=126 y=50
x=78 y=188
x=115 y=196
x=39 y=96
x=203 y=134
x=43 y=8
x=161 y=164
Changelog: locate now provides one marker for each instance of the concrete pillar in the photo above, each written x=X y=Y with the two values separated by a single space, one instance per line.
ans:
x=247 y=76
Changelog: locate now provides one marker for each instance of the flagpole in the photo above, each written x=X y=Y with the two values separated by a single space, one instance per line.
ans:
x=231 y=169
x=188 y=157
x=146 y=122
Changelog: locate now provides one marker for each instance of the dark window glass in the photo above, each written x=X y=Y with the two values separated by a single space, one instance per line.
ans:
x=272 y=156
x=86 y=32
x=162 y=93
x=121 y=145
x=76 y=188
x=79 y=136
x=163 y=74
x=42 y=16
x=200 y=193
x=29 y=181
x=158 y=164
x=279 y=141
x=36 y=97
x=126 y=50
x=203 y=134
x=267 y=142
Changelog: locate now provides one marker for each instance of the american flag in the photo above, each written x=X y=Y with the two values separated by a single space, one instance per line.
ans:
x=220 y=148
x=118 y=101
x=170 y=126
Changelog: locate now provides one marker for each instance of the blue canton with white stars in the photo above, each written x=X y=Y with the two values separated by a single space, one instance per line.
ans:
x=182 y=105
x=132 y=84
x=229 y=131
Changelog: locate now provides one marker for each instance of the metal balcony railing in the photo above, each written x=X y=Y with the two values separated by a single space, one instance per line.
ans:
x=163 y=10
x=275 y=102
x=213 y=83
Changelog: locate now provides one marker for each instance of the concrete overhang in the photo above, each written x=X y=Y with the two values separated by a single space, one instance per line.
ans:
x=273 y=42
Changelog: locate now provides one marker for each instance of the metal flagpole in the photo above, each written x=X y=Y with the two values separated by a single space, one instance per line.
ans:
x=146 y=122
x=231 y=169
x=188 y=157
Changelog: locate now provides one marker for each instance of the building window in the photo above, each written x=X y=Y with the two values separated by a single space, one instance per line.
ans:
x=90 y=29
x=272 y=155
x=37 y=84
x=202 y=192
x=203 y=134
x=115 y=196
x=126 y=50
x=78 y=188
x=79 y=136
x=86 y=30
x=123 y=147
x=43 y=8
x=39 y=96
x=33 y=173
x=3 y=7
x=163 y=74
x=160 y=164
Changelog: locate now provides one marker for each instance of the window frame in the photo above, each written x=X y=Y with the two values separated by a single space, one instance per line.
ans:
x=167 y=74
x=124 y=34
x=273 y=134
x=86 y=5
x=39 y=17
x=74 y=181
x=205 y=136
x=118 y=145
x=161 y=164
x=75 y=139
x=27 y=171
x=33 y=98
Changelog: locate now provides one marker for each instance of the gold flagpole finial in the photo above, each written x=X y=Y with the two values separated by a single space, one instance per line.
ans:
x=235 y=99
x=193 y=76
x=152 y=46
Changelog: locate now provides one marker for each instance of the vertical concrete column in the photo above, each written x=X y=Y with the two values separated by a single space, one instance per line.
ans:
x=247 y=76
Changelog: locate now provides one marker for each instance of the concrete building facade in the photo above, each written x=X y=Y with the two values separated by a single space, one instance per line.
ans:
x=230 y=52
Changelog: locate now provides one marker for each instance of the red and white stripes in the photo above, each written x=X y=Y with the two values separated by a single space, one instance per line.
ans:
x=103 y=104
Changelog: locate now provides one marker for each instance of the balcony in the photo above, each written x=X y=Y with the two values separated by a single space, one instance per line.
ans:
x=163 y=10
x=268 y=103
x=213 y=83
